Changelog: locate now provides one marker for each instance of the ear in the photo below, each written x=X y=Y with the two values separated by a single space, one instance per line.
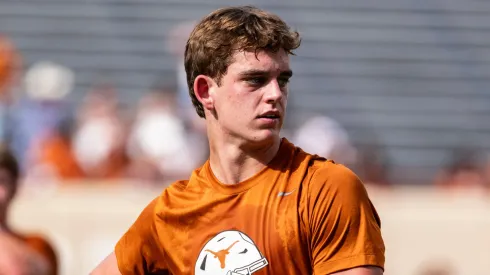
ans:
x=203 y=86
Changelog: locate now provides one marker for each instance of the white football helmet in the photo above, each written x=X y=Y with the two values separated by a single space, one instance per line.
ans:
x=229 y=253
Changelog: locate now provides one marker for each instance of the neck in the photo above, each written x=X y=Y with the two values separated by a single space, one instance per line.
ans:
x=234 y=162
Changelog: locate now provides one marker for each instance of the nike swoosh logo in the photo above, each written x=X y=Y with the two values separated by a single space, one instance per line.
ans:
x=283 y=194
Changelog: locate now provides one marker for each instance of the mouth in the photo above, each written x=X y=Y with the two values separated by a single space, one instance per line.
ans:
x=270 y=119
x=270 y=115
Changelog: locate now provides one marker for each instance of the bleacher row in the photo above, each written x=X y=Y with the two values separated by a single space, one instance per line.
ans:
x=411 y=76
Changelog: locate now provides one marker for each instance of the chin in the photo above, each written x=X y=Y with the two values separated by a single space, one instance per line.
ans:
x=265 y=136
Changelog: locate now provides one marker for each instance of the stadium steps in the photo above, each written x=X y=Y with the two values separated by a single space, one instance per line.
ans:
x=412 y=76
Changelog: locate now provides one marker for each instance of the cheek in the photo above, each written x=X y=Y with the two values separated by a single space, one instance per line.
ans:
x=229 y=109
x=238 y=103
x=235 y=103
x=283 y=103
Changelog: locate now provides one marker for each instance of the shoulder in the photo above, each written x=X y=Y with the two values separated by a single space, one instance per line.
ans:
x=35 y=241
x=333 y=180
x=320 y=169
x=335 y=186
x=319 y=174
x=339 y=175
x=186 y=185
x=40 y=244
x=176 y=186
x=182 y=190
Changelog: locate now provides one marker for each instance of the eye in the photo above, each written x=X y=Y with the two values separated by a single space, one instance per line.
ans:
x=283 y=82
x=256 y=81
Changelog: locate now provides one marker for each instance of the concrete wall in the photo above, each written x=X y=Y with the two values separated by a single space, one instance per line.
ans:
x=419 y=225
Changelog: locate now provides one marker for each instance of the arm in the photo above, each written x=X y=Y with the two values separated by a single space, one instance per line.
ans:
x=107 y=267
x=361 y=271
x=342 y=225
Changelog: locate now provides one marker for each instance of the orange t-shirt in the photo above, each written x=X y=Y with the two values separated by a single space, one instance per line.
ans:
x=300 y=215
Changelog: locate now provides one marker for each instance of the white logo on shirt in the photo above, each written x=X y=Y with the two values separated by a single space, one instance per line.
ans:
x=283 y=194
x=230 y=253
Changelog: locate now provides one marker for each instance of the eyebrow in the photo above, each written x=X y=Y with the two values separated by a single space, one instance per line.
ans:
x=256 y=72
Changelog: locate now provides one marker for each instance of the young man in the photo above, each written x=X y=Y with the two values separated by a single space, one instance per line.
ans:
x=20 y=254
x=259 y=205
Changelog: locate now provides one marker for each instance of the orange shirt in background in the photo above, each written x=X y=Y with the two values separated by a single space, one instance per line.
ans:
x=300 y=215
x=56 y=152
x=41 y=246
x=10 y=62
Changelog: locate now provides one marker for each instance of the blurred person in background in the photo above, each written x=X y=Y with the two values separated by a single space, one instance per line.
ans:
x=259 y=204
x=10 y=68
x=100 y=135
x=486 y=172
x=160 y=145
x=20 y=253
x=10 y=62
x=38 y=113
x=325 y=137
x=436 y=270
x=464 y=170
x=53 y=157
x=436 y=267
x=372 y=166
x=50 y=154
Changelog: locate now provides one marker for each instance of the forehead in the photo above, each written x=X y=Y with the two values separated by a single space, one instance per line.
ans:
x=263 y=60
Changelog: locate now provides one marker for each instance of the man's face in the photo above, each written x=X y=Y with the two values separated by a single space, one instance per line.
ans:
x=251 y=101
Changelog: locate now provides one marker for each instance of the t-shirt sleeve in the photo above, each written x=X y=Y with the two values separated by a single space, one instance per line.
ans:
x=343 y=226
x=138 y=251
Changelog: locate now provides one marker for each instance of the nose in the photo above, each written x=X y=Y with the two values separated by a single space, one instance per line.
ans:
x=273 y=93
